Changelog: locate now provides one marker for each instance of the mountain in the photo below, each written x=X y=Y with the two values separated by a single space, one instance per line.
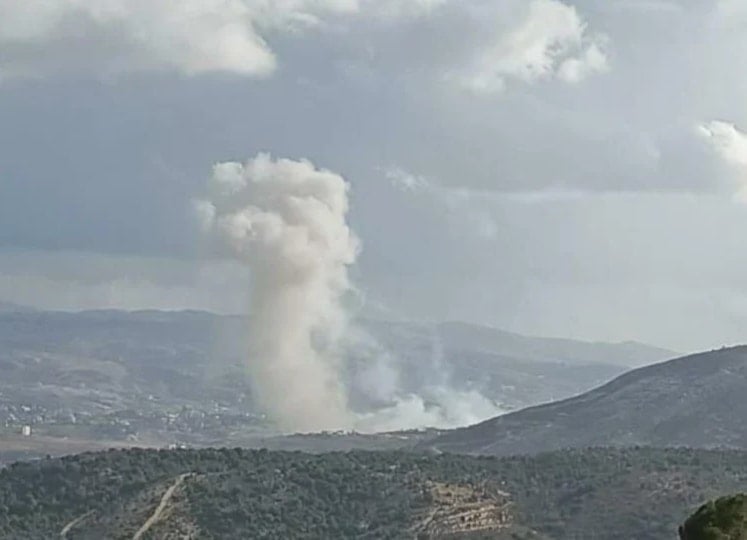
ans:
x=155 y=377
x=512 y=370
x=601 y=494
x=696 y=401
x=11 y=307
x=462 y=336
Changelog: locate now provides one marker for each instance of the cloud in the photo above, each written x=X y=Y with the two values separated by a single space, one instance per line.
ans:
x=592 y=60
x=106 y=38
x=730 y=144
x=647 y=6
x=405 y=181
x=403 y=8
x=728 y=141
x=552 y=41
x=623 y=142
x=191 y=37
x=462 y=207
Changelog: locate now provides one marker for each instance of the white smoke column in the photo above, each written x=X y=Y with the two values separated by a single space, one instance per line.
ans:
x=287 y=221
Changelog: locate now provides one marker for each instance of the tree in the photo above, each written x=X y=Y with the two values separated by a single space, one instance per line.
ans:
x=722 y=519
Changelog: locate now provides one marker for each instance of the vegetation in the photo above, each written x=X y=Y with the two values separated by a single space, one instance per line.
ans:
x=233 y=493
x=722 y=519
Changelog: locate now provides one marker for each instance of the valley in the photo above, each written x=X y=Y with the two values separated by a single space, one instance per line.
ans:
x=79 y=381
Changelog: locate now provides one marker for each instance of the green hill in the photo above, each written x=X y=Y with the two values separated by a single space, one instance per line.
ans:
x=232 y=493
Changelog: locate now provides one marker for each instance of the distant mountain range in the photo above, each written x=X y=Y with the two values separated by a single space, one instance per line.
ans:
x=695 y=401
x=95 y=362
x=513 y=370
x=463 y=336
x=11 y=307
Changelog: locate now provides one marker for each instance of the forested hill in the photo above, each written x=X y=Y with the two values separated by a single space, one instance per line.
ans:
x=590 y=494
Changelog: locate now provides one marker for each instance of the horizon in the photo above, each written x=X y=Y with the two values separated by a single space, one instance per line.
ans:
x=377 y=318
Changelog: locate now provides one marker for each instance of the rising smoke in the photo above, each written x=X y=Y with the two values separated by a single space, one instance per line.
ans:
x=390 y=392
x=286 y=220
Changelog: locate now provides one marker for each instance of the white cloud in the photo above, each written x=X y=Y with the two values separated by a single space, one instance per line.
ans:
x=730 y=144
x=592 y=60
x=646 y=6
x=402 y=8
x=105 y=37
x=727 y=140
x=405 y=181
x=551 y=41
x=110 y=36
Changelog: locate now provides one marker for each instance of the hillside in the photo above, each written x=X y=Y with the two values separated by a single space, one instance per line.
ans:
x=600 y=494
x=696 y=401
x=513 y=370
x=155 y=377
x=630 y=354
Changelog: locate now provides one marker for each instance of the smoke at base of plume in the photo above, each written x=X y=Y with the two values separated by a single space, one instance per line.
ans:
x=286 y=220
x=391 y=392
x=441 y=408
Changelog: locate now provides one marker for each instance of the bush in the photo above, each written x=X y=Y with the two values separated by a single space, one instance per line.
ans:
x=722 y=519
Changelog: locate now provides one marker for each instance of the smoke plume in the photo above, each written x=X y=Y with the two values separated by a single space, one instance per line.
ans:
x=286 y=220
x=390 y=392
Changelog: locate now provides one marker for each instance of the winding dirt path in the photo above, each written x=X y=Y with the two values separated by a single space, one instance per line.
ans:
x=161 y=506
x=73 y=523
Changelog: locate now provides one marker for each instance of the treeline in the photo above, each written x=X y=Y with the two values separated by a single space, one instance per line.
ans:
x=596 y=494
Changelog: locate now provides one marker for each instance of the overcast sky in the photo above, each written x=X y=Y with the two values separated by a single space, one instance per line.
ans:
x=574 y=169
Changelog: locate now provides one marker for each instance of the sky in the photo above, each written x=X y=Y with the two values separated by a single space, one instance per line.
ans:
x=573 y=169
